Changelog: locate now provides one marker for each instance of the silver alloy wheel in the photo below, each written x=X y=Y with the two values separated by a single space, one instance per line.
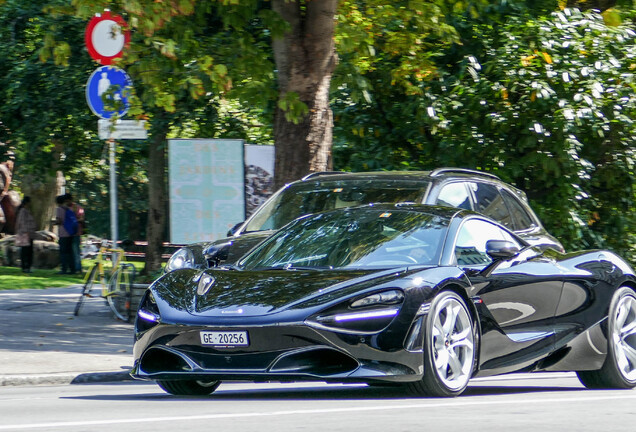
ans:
x=452 y=343
x=624 y=337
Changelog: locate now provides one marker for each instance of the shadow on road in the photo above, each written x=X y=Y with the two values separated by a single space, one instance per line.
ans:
x=43 y=320
x=358 y=392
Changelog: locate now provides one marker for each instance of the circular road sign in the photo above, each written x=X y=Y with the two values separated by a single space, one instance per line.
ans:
x=106 y=38
x=112 y=84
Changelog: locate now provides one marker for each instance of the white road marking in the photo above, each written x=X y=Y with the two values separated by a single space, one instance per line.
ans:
x=423 y=405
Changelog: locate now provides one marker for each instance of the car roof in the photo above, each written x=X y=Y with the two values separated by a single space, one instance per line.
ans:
x=436 y=174
x=400 y=175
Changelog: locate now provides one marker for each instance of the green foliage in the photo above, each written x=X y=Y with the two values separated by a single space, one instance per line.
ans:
x=293 y=107
x=547 y=103
x=40 y=100
x=188 y=51
x=395 y=36
x=43 y=70
x=44 y=66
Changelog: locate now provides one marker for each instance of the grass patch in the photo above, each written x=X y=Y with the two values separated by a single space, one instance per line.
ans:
x=12 y=278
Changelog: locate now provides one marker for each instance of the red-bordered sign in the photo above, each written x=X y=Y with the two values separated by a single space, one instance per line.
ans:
x=106 y=37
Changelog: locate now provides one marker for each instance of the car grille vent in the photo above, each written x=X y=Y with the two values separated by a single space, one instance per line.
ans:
x=320 y=362
x=158 y=360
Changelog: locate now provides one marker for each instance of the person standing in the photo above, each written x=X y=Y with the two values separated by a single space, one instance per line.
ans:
x=6 y=174
x=65 y=239
x=25 y=233
x=77 y=238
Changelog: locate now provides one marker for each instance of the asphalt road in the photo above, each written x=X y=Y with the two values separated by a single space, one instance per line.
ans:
x=558 y=403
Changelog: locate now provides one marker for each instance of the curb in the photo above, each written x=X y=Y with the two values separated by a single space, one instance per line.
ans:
x=65 y=378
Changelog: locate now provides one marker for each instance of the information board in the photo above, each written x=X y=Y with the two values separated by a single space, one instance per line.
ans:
x=206 y=182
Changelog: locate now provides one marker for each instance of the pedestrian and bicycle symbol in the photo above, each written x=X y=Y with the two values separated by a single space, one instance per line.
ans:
x=107 y=92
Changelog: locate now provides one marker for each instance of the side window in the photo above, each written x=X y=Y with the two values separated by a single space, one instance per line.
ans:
x=523 y=220
x=454 y=195
x=470 y=247
x=489 y=202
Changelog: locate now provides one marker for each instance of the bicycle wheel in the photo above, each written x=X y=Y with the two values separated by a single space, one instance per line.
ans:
x=86 y=289
x=120 y=291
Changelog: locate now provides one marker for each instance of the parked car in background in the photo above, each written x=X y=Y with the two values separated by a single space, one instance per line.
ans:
x=423 y=296
x=451 y=187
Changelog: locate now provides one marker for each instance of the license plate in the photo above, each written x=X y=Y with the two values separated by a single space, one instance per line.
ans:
x=224 y=338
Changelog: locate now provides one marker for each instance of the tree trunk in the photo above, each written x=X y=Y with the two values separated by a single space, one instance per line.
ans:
x=42 y=190
x=157 y=193
x=43 y=187
x=305 y=60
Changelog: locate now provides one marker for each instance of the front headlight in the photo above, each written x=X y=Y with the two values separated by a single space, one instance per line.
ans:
x=148 y=314
x=183 y=258
x=391 y=297
x=369 y=314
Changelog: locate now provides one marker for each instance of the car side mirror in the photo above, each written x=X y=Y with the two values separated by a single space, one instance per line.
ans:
x=216 y=254
x=501 y=250
x=234 y=229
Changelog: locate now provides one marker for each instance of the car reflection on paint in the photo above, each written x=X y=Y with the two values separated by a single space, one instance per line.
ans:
x=421 y=296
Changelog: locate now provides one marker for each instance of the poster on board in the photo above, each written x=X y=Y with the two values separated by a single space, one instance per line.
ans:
x=206 y=188
x=259 y=175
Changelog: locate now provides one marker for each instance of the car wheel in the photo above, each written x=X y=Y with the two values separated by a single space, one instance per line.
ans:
x=619 y=369
x=449 y=354
x=189 y=387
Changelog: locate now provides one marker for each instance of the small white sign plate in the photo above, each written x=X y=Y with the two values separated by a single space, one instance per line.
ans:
x=122 y=129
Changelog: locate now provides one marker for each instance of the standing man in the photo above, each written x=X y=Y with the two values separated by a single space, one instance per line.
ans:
x=65 y=238
x=77 y=238
x=6 y=174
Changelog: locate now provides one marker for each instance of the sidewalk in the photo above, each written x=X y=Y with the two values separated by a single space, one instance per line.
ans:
x=42 y=342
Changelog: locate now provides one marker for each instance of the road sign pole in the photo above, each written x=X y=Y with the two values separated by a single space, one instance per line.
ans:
x=106 y=38
x=113 y=192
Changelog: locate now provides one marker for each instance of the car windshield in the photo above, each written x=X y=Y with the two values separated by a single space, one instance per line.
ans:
x=368 y=237
x=317 y=196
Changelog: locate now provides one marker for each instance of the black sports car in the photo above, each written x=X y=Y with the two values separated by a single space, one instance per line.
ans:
x=418 y=295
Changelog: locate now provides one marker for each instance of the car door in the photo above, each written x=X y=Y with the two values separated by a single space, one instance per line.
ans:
x=517 y=300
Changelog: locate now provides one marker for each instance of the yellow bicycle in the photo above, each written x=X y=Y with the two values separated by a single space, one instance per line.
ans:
x=116 y=288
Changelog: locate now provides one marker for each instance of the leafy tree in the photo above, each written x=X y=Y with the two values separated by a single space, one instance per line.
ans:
x=180 y=84
x=278 y=53
x=298 y=35
x=545 y=102
x=43 y=68
x=40 y=109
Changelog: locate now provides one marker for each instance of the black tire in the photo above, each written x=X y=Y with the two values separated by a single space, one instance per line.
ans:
x=120 y=291
x=189 y=387
x=449 y=348
x=86 y=289
x=619 y=369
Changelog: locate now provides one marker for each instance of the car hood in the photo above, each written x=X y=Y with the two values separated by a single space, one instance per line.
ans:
x=251 y=293
x=230 y=250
